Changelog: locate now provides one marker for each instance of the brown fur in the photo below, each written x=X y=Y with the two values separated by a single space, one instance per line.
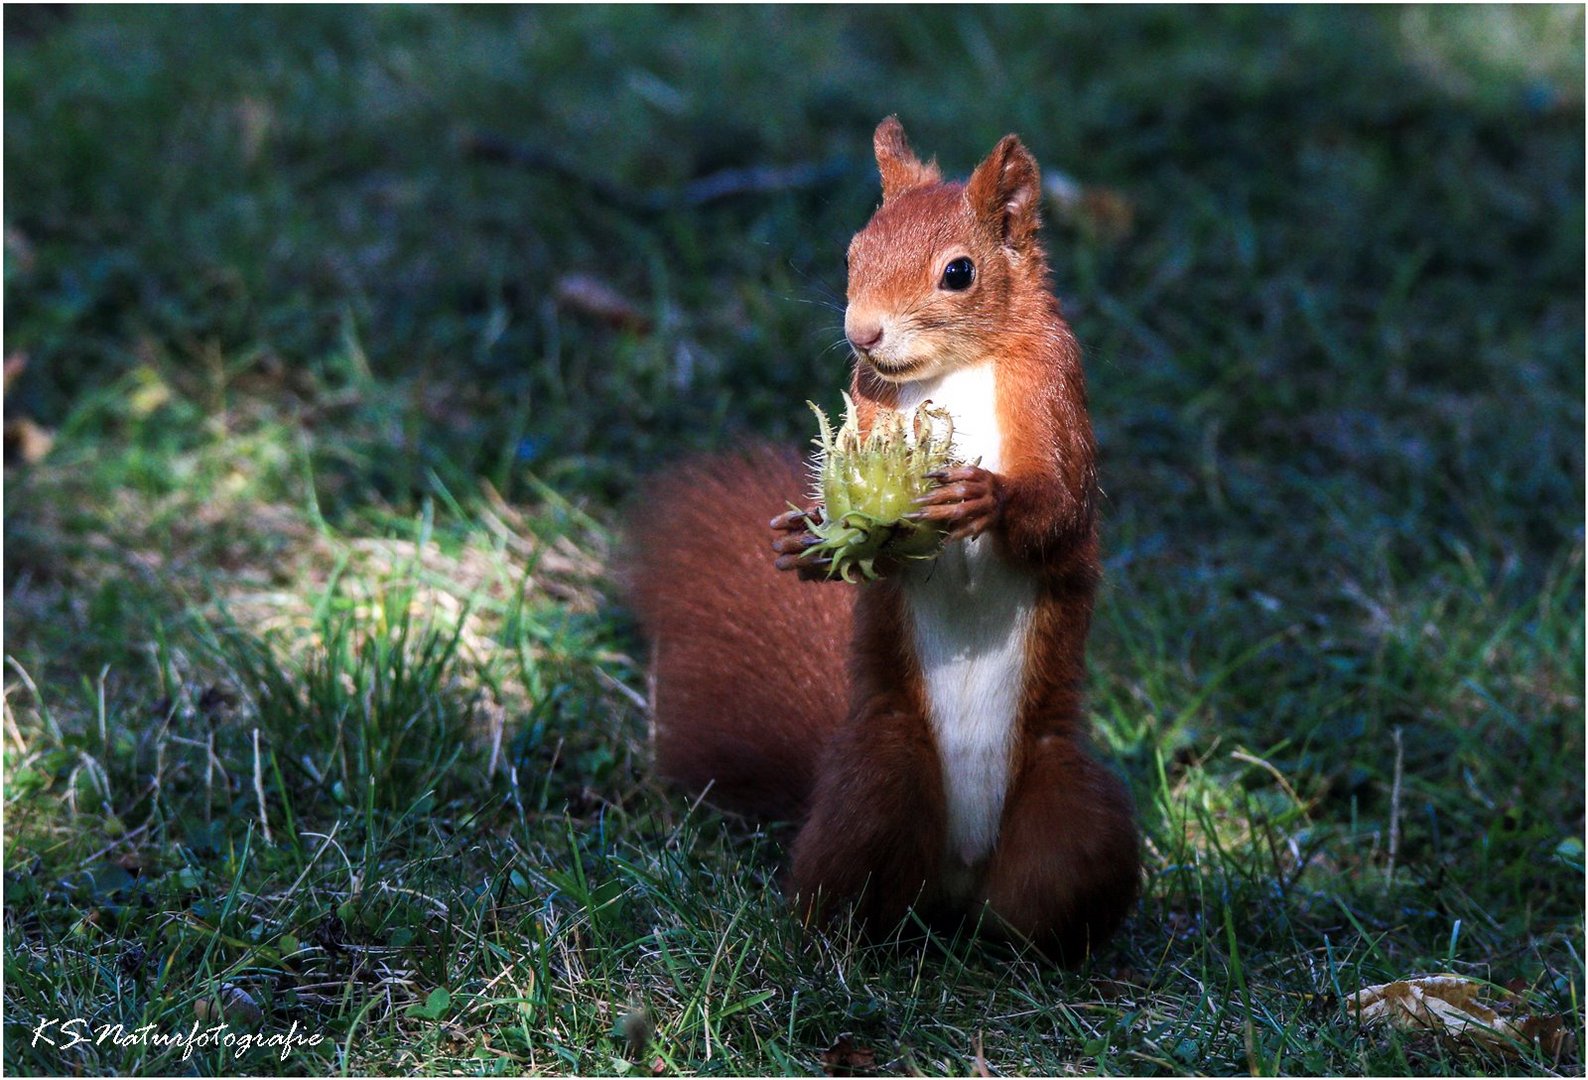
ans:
x=1065 y=871
x=748 y=670
x=876 y=828
x=1065 y=866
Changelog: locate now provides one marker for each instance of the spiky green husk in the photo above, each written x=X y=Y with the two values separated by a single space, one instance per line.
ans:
x=867 y=484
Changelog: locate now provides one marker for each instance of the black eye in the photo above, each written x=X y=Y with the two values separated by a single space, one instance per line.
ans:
x=958 y=274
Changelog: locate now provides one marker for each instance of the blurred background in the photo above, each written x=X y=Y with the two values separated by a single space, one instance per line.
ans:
x=1314 y=226
x=305 y=305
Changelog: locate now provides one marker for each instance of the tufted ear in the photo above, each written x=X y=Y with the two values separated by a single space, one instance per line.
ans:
x=1006 y=192
x=901 y=169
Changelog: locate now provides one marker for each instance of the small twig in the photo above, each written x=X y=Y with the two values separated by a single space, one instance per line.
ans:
x=330 y=840
x=325 y=843
x=479 y=998
x=1252 y=759
x=650 y=684
x=440 y=908
x=1395 y=813
x=259 y=789
x=498 y=722
x=210 y=764
x=757 y=180
x=723 y=184
x=978 y=1058
x=113 y=845
x=613 y=682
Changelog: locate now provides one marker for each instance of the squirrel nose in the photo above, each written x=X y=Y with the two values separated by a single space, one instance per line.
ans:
x=864 y=336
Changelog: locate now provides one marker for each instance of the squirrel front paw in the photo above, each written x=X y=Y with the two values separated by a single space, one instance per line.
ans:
x=792 y=538
x=967 y=501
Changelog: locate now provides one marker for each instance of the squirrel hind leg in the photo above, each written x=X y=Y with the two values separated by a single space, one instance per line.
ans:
x=1067 y=869
x=874 y=837
x=749 y=664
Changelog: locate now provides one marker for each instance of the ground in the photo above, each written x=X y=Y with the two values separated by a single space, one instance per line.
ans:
x=322 y=708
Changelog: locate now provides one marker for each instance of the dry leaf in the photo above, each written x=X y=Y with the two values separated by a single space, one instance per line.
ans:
x=1108 y=214
x=233 y=1005
x=15 y=365
x=591 y=296
x=978 y=1059
x=1446 y=1004
x=27 y=440
x=1102 y=212
x=844 y=1058
x=1551 y=1033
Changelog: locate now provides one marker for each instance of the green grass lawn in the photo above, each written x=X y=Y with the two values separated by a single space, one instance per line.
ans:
x=321 y=709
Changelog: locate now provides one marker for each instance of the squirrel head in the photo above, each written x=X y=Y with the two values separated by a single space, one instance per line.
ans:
x=943 y=268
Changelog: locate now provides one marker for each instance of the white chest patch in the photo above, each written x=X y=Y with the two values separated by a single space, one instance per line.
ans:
x=970 y=614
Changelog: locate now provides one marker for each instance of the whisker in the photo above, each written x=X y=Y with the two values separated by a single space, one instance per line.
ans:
x=815 y=303
x=831 y=298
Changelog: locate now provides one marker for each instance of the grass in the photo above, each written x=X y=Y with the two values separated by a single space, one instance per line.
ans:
x=320 y=709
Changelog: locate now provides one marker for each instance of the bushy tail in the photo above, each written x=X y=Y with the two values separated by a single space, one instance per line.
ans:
x=748 y=663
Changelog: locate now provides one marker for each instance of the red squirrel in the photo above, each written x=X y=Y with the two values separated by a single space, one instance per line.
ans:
x=926 y=730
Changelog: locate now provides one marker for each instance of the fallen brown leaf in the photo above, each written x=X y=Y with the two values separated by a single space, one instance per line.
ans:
x=233 y=1004
x=1099 y=211
x=27 y=440
x=15 y=365
x=845 y=1058
x=1445 y=1004
x=1550 y=1032
x=591 y=296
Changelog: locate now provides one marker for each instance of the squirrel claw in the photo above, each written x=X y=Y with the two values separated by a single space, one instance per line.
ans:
x=795 y=519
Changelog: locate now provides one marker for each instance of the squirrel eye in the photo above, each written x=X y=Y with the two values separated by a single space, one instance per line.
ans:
x=958 y=274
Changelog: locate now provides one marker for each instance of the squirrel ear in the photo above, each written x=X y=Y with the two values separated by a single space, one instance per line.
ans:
x=901 y=169
x=1006 y=191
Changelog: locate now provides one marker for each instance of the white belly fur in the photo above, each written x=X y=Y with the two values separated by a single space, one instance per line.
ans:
x=970 y=614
